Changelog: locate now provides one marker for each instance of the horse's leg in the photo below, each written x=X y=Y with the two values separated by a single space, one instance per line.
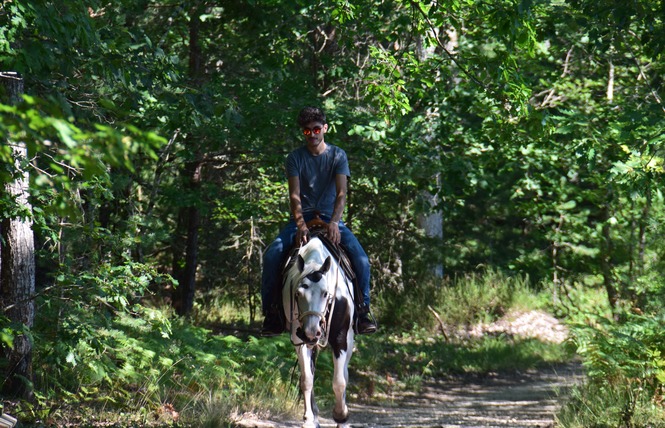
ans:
x=341 y=341
x=340 y=379
x=306 y=363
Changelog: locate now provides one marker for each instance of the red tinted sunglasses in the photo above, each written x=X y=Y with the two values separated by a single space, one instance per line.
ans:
x=316 y=131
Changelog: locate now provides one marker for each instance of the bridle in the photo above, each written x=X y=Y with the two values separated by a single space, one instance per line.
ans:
x=325 y=316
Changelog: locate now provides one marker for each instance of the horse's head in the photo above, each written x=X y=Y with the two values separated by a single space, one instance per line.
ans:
x=312 y=298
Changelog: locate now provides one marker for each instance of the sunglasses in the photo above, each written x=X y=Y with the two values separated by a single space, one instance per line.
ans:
x=316 y=131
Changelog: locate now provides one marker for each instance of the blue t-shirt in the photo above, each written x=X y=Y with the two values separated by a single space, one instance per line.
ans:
x=317 y=176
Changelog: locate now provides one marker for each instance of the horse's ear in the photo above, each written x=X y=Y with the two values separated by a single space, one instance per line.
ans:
x=326 y=266
x=301 y=263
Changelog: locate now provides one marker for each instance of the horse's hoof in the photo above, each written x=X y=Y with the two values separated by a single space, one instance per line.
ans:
x=311 y=425
x=341 y=418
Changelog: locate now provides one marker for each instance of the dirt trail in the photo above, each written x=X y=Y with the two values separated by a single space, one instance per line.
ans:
x=506 y=400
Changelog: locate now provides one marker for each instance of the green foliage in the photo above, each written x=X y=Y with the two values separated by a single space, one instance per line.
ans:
x=593 y=405
x=8 y=332
x=628 y=351
x=108 y=350
x=99 y=321
x=70 y=157
x=626 y=372
x=497 y=110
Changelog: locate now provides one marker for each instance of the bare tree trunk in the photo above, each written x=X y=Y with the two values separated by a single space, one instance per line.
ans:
x=556 y=280
x=610 y=83
x=432 y=221
x=17 y=266
x=432 y=224
x=249 y=260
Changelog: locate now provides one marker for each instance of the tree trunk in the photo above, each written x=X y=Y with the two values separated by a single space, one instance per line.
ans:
x=17 y=266
x=185 y=259
x=432 y=224
x=432 y=221
x=184 y=271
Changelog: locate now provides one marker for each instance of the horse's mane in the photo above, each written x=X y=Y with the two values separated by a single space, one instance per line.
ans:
x=314 y=253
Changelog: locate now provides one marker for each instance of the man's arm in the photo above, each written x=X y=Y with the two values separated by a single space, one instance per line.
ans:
x=296 y=210
x=338 y=210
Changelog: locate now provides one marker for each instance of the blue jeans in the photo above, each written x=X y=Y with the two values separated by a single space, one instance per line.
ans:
x=275 y=255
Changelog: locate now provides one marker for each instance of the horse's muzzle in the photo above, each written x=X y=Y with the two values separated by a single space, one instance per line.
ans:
x=310 y=342
x=311 y=329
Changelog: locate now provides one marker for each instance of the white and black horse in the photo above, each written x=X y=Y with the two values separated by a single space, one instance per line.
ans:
x=318 y=304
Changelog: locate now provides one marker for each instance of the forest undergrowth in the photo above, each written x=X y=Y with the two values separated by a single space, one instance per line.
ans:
x=140 y=365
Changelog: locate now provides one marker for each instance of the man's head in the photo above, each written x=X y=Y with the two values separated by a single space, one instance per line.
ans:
x=311 y=114
x=312 y=120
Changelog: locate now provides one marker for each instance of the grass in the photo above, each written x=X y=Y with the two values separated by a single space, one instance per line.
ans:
x=148 y=368
x=384 y=364
x=625 y=371
x=480 y=297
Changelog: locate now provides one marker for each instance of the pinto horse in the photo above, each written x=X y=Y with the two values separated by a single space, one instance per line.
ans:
x=318 y=304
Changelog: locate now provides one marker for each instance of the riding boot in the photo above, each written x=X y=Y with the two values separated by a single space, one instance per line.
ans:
x=365 y=322
x=273 y=324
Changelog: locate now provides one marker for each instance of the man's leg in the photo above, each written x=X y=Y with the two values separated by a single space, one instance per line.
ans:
x=360 y=262
x=273 y=259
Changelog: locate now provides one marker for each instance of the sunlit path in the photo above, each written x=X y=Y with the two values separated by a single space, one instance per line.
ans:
x=527 y=399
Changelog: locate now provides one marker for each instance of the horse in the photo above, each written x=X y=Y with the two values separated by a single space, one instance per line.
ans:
x=318 y=301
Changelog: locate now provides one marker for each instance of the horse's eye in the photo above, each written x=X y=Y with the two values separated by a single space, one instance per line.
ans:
x=324 y=294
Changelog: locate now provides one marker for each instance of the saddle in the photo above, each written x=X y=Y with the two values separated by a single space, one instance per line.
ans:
x=319 y=228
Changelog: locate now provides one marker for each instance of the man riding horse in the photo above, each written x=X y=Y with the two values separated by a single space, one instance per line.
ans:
x=317 y=175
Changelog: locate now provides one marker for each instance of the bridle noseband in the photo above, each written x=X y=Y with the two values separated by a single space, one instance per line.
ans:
x=324 y=316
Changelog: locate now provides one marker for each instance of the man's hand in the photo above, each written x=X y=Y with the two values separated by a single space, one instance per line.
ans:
x=333 y=232
x=302 y=235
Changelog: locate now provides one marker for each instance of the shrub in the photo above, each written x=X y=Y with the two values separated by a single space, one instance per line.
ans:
x=625 y=363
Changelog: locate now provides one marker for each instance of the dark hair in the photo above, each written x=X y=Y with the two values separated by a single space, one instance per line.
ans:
x=311 y=114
